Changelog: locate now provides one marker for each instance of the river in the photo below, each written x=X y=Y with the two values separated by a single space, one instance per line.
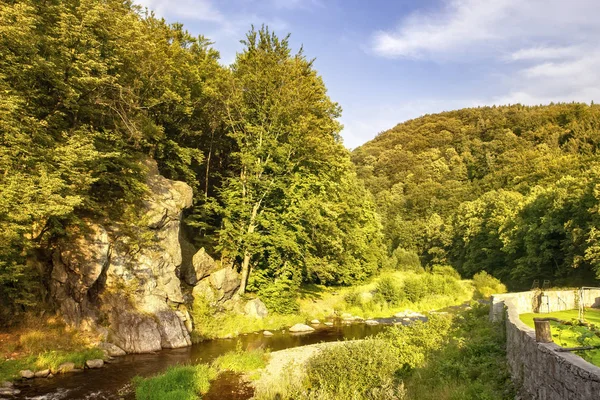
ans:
x=113 y=381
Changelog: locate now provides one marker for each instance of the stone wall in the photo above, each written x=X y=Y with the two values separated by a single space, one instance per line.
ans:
x=537 y=369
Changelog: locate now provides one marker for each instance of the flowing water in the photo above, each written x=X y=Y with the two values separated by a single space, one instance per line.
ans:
x=113 y=381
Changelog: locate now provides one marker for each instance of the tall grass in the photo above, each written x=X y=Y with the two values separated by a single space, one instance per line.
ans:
x=186 y=382
x=44 y=343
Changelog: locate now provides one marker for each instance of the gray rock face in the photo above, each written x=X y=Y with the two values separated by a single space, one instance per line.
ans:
x=256 y=308
x=201 y=266
x=112 y=350
x=135 y=333
x=226 y=282
x=103 y=274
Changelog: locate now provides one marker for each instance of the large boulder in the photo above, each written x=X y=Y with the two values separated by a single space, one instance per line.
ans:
x=104 y=272
x=202 y=265
x=135 y=332
x=226 y=282
x=256 y=308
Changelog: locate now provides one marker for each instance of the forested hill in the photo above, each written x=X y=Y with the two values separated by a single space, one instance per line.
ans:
x=511 y=190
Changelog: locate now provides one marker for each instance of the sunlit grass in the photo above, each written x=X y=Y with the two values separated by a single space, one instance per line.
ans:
x=43 y=343
x=185 y=382
x=572 y=335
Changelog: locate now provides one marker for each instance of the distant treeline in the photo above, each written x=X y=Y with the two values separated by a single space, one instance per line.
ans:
x=511 y=190
x=89 y=89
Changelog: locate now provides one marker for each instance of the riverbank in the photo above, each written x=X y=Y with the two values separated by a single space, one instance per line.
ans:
x=42 y=344
x=453 y=356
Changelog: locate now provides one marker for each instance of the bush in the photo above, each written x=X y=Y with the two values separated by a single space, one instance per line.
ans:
x=353 y=370
x=406 y=260
x=415 y=288
x=445 y=270
x=414 y=342
x=177 y=383
x=353 y=298
x=389 y=290
x=486 y=285
x=280 y=296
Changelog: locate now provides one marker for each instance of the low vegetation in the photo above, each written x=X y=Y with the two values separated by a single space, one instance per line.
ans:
x=190 y=382
x=43 y=343
x=573 y=333
x=449 y=357
x=185 y=382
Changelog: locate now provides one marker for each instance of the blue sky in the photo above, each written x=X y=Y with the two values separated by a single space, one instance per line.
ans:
x=389 y=61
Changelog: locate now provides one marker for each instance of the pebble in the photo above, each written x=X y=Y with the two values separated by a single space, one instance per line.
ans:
x=42 y=374
x=267 y=333
x=96 y=363
x=315 y=322
x=27 y=374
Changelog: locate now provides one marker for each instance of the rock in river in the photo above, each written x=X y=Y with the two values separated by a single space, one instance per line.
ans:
x=27 y=374
x=301 y=328
x=92 y=364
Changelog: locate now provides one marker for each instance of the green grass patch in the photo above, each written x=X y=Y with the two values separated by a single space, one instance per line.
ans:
x=183 y=382
x=9 y=369
x=572 y=335
x=242 y=361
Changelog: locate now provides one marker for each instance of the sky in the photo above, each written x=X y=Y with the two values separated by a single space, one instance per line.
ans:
x=387 y=61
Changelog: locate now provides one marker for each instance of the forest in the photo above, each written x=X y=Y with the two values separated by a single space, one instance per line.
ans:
x=510 y=190
x=91 y=89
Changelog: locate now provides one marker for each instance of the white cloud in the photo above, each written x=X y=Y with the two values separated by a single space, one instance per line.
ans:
x=542 y=50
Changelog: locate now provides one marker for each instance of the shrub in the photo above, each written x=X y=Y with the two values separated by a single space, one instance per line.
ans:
x=415 y=288
x=280 y=296
x=181 y=382
x=445 y=270
x=353 y=370
x=486 y=285
x=353 y=298
x=406 y=260
x=414 y=342
x=389 y=290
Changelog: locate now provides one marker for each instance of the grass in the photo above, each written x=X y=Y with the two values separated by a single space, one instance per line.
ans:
x=449 y=358
x=190 y=382
x=43 y=343
x=321 y=302
x=572 y=335
x=242 y=361
x=183 y=382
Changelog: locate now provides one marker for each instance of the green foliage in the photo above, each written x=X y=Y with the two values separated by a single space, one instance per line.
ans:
x=389 y=290
x=92 y=90
x=414 y=342
x=210 y=323
x=180 y=382
x=406 y=260
x=486 y=285
x=509 y=190
x=445 y=270
x=294 y=206
x=470 y=365
x=241 y=361
x=354 y=370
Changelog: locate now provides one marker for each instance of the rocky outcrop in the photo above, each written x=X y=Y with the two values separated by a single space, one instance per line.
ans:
x=125 y=280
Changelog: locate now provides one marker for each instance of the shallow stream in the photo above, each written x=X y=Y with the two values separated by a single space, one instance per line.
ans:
x=113 y=381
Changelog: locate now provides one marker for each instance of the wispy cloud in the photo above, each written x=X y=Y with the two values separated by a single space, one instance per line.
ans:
x=546 y=50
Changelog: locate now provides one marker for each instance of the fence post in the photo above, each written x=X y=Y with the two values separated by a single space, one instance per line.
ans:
x=543 y=334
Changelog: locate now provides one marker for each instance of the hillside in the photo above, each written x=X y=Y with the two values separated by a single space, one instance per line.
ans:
x=510 y=190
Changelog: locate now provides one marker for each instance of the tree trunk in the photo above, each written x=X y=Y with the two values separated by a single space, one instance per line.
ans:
x=543 y=334
x=246 y=262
